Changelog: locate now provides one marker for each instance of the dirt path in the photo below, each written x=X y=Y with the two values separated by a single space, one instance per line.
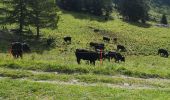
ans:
x=76 y=82
x=116 y=76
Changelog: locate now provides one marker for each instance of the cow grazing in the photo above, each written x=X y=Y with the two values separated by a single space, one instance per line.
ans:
x=119 y=58
x=67 y=39
x=16 y=49
x=86 y=55
x=110 y=55
x=121 y=48
x=163 y=53
x=106 y=39
x=26 y=48
x=97 y=46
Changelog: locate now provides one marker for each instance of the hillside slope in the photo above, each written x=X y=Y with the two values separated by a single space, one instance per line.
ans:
x=52 y=72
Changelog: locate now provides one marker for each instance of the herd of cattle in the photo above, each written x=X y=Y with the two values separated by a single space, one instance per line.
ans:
x=17 y=49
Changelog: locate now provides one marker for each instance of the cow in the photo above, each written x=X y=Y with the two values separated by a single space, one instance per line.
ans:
x=97 y=46
x=25 y=48
x=86 y=55
x=121 y=48
x=110 y=55
x=119 y=58
x=106 y=39
x=163 y=53
x=67 y=39
x=16 y=49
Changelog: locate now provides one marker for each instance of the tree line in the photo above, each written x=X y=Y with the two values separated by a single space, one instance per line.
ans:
x=131 y=10
x=37 y=13
x=96 y=7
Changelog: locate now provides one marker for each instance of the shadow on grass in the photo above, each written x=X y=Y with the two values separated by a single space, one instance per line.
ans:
x=146 y=25
x=36 y=45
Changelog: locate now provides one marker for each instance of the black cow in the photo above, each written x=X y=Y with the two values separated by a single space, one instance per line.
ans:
x=86 y=55
x=121 y=48
x=163 y=53
x=106 y=39
x=110 y=55
x=119 y=58
x=97 y=46
x=67 y=39
x=92 y=44
x=16 y=49
x=26 y=48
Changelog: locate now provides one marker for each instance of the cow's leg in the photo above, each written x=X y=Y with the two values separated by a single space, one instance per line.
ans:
x=21 y=55
x=78 y=60
x=93 y=62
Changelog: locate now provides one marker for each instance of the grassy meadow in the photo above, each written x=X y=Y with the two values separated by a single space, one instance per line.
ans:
x=143 y=66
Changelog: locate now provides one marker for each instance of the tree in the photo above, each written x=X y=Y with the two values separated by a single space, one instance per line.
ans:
x=164 y=19
x=96 y=7
x=43 y=14
x=134 y=10
x=16 y=12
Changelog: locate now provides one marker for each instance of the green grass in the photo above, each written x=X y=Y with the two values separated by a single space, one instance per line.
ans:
x=86 y=78
x=135 y=66
x=17 y=89
x=141 y=41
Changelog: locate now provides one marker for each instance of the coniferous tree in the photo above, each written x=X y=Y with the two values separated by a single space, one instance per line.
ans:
x=134 y=10
x=96 y=7
x=43 y=14
x=16 y=12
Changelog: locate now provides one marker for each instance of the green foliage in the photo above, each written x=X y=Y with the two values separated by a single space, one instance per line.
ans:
x=43 y=14
x=40 y=14
x=134 y=10
x=96 y=7
x=16 y=12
